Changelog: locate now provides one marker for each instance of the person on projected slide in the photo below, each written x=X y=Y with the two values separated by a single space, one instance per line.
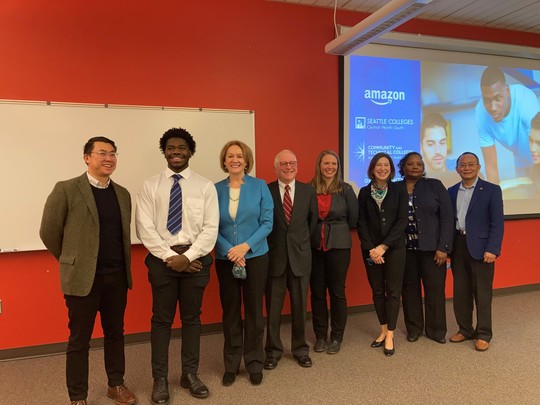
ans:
x=434 y=144
x=534 y=142
x=504 y=114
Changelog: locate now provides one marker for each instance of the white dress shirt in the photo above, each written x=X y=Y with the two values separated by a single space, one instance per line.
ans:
x=96 y=183
x=291 y=191
x=200 y=215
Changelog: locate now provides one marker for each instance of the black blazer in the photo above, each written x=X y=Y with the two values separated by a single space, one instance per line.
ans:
x=386 y=225
x=434 y=215
x=341 y=218
x=291 y=242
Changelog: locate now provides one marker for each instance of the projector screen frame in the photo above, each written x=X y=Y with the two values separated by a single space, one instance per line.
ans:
x=434 y=49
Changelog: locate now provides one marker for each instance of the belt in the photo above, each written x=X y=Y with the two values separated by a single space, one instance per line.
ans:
x=461 y=232
x=180 y=249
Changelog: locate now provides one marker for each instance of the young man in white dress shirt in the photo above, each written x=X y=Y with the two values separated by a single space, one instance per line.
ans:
x=178 y=261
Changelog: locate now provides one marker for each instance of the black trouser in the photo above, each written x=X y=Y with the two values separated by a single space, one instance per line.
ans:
x=473 y=279
x=386 y=281
x=243 y=338
x=329 y=272
x=275 y=297
x=108 y=296
x=421 y=269
x=170 y=288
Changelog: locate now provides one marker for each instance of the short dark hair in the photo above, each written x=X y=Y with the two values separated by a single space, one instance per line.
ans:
x=467 y=153
x=535 y=122
x=89 y=145
x=374 y=161
x=404 y=159
x=177 y=133
x=432 y=120
x=492 y=75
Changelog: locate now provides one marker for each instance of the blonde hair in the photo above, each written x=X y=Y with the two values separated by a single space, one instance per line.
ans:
x=246 y=152
x=318 y=182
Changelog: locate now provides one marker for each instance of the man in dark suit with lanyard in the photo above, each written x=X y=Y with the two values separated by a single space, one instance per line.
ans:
x=86 y=226
x=295 y=220
x=478 y=208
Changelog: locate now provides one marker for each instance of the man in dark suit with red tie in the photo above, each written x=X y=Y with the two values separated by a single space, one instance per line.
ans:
x=295 y=220
x=479 y=227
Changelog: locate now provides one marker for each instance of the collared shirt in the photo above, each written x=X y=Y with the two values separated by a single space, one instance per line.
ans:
x=291 y=191
x=200 y=215
x=464 y=196
x=96 y=183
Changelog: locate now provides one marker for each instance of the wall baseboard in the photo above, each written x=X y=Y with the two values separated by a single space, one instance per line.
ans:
x=208 y=329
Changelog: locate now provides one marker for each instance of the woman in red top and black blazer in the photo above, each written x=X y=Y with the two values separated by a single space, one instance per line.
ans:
x=331 y=251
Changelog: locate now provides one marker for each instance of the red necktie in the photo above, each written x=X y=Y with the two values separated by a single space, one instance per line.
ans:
x=287 y=204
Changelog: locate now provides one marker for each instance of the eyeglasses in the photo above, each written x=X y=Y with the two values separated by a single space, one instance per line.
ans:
x=470 y=165
x=102 y=154
x=291 y=164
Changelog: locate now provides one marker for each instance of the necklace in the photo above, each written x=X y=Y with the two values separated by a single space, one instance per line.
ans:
x=234 y=194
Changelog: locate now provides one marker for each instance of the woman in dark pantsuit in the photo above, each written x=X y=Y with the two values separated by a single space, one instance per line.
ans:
x=429 y=241
x=331 y=251
x=381 y=228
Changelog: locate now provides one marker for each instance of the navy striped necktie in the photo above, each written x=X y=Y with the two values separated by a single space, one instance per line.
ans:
x=174 y=219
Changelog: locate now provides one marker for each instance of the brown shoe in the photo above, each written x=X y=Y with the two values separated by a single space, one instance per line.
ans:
x=121 y=395
x=458 y=338
x=481 y=345
x=79 y=402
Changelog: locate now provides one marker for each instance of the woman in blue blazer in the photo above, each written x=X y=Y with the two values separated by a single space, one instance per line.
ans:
x=246 y=216
x=381 y=227
x=429 y=241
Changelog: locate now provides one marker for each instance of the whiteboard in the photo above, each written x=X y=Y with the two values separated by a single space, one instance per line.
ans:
x=42 y=143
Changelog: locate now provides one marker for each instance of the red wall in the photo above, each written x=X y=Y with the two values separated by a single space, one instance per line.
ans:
x=238 y=54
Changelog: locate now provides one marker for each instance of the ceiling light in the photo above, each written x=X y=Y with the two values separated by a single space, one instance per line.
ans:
x=388 y=17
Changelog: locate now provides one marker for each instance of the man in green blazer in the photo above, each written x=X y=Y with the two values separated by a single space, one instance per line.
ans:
x=86 y=226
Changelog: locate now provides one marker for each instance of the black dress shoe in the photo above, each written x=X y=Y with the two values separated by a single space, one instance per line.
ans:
x=333 y=347
x=255 y=378
x=377 y=344
x=438 y=340
x=270 y=363
x=390 y=352
x=320 y=345
x=228 y=378
x=413 y=337
x=304 y=361
x=160 y=391
x=196 y=387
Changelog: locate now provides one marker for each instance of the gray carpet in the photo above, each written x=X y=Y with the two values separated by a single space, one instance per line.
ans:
x=423 y=372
